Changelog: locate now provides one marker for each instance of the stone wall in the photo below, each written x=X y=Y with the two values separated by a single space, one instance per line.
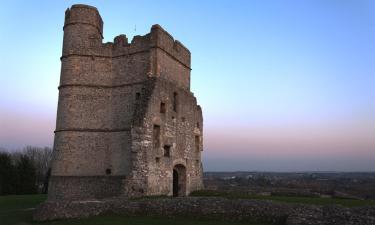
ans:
x=85 y=187
x=86 y=154
x=216 y=208
x=178 y=129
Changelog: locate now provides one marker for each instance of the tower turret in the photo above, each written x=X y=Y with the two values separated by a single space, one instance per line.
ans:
x=83 y=29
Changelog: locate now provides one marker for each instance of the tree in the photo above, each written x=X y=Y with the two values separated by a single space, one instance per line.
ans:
x=7 y=174
x=41 y=158
x=26 y=176
x=46 y=182
x=26 y=171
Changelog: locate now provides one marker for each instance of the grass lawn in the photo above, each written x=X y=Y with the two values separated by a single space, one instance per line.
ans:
x=287 y=199
x=18 y=209
x=15 y=209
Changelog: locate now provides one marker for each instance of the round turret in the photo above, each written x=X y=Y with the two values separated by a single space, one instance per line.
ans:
x=83 y=29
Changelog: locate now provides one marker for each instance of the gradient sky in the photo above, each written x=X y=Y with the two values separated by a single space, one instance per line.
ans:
x=284 y=85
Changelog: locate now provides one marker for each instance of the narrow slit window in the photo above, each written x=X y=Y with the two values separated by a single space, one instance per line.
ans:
x=137 y=96
x=197 y=143
x=162 y=107
x=156 y=136
x=175 y=99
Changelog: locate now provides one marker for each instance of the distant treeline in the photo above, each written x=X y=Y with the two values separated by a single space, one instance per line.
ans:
x=25 y=171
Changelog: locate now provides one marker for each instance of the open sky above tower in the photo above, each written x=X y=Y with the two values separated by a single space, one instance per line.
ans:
x=284 y=85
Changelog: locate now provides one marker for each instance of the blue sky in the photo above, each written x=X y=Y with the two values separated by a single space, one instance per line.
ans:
x=284 y=85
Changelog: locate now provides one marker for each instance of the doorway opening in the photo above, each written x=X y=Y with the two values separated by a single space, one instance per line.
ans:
x=179 y=180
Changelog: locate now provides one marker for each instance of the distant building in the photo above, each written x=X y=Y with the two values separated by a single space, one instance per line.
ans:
x=127 y=123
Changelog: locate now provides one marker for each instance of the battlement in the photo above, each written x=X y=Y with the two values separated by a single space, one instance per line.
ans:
x=157 y=38
x=86 y=15
x=163 y=40
x=155 y=54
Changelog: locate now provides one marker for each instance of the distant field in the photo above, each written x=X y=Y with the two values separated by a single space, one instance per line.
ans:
x=287 y=199
x=17 y=209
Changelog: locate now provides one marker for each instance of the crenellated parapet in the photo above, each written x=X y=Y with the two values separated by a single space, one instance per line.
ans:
x=163 y=40
x=157 y=38
x=121 y=46
x=155 y=54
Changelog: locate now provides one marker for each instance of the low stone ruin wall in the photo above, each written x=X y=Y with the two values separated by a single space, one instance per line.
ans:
x=212 y=207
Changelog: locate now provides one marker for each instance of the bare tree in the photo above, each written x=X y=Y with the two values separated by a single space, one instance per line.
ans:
x=41 y=158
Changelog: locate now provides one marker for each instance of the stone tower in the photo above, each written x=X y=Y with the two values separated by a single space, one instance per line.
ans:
x=127 y=123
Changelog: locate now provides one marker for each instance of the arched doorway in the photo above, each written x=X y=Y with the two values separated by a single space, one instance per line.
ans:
x=179 y=180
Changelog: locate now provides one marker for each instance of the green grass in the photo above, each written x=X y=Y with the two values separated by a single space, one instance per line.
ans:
x=287 y=199
x=17 y=209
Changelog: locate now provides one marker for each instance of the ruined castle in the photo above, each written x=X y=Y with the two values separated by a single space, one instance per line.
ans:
x=127 y=123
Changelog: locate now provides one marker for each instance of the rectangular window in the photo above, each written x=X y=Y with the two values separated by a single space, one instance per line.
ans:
x=197 y=143
x=156 y=136
x=162 y=107
x=167 y=150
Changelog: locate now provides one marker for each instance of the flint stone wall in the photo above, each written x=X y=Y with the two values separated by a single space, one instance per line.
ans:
x=215 y=208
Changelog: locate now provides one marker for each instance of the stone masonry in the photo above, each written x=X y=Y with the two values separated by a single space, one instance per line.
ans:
x=216 y=208
x=127 y=124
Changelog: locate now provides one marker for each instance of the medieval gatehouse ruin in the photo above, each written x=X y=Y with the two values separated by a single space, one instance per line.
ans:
x=127 y=123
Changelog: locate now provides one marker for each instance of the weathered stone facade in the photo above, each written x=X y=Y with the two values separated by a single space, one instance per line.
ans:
x=127 y=123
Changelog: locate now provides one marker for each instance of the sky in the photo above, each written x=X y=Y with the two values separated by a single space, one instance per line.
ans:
x=284 y=85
